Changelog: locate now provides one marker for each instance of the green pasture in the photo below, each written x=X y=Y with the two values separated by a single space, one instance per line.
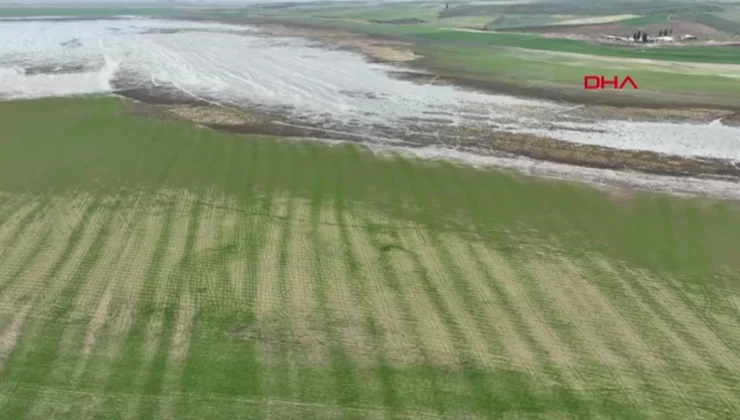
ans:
x=152 y=269
x=645 y=20
x=431 y=35
x=552 y=70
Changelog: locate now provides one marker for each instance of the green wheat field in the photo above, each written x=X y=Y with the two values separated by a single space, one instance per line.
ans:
x=156 y=270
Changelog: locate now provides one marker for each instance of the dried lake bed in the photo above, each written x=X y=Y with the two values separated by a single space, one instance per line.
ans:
x=299 y=87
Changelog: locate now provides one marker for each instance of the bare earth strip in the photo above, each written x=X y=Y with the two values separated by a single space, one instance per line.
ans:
x=30 y=239
x=178 y=354
x=268 y=300
x=205 y=235
x=98 y=278
x=418 y=241
x=673 y=347
x=155 y=324
x=13 y=221
x=204 y=273
x=599 y=362
x=91 y=305
x=532 y=321
x=307 y=327
x=710 y=350
x=129 y=289
x=9 y=337
x=180 y=340
x=284 y=409
x=345 y=308
x=397 y=340
x=437 y=340
x=40 y=286
x=513 y=351
x=167 y=286
x=714 y=341
x=126 y=280
x=28 y=284
x=234 y=266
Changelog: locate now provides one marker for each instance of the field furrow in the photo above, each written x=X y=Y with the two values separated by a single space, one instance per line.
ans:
x=152 y=270
x=433 y=326
x=556 y=359
x=180 y=313
x=146 y=334
x=343 y=304
x=444 y=289
x=397 y=341
x=269 y=290
x=308 y=333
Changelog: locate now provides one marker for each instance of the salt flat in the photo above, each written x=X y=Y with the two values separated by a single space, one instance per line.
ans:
x=236 y=66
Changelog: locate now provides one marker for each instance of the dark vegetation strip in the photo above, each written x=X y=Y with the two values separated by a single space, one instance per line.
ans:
x=357 y=280
x=97 y=368
x=175 y=282
x=477 y=384
x=32 y=363
x=282 y=371
x=346 y=382
x=135 y=341
x=433 y=377
x=497 y=204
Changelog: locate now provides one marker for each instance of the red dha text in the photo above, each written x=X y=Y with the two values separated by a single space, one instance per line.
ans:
x=600 y=82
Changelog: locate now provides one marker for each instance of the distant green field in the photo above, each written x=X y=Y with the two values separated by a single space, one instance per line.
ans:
x=545 y=70
x=431 y=34
x=690 y=54
x=513 y=20
x=384 y=13
x=713 y=21
x=153 y=270
x=645 y=20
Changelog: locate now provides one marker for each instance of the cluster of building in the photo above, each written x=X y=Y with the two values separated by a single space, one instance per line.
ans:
x=639 y=36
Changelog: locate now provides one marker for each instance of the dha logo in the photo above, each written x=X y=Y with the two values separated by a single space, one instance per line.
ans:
x=592 y=82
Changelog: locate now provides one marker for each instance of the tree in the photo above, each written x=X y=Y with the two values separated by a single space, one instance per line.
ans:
x=644 y=37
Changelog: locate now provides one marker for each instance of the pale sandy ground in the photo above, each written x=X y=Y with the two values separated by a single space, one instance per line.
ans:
x=595 y=19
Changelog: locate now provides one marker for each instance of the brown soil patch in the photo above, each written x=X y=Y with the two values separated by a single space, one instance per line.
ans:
x=207 y=115
x=471 y=339
x=530 y=320
x=9 y=337
x=654 y=114
x=307 y=324
x=346 y=312
x=99 y=318
x=438 y=342
x=396 y=339
x=480 y=139
x=613 y=29
x=377 y=48
x=497 y=322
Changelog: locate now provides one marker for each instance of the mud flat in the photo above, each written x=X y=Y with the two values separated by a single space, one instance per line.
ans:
x=527 y=153
x=254 y=80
